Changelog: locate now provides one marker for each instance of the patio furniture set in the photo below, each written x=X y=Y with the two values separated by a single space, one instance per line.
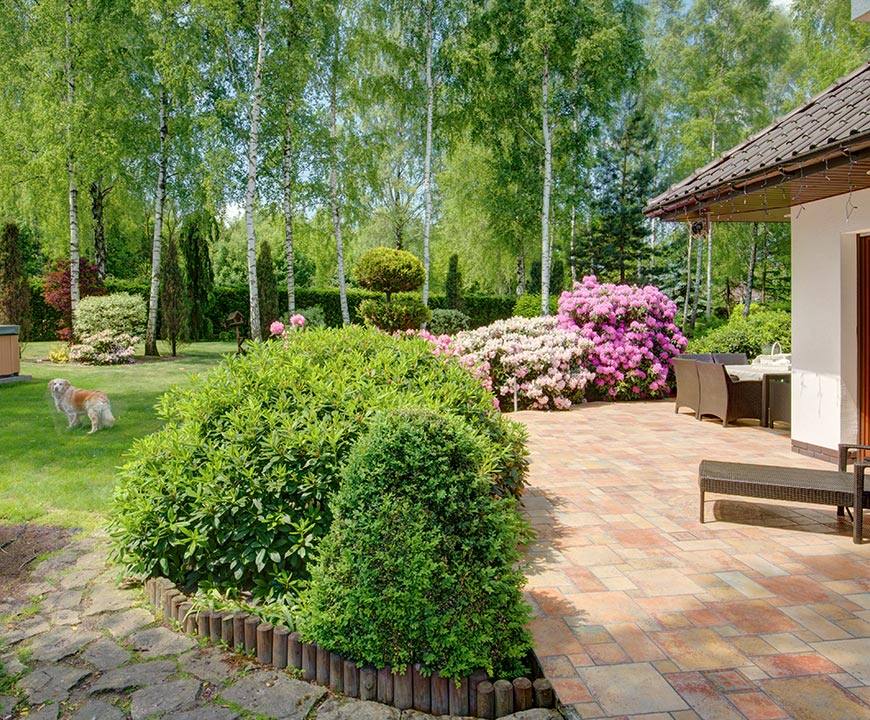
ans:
x=726 y=386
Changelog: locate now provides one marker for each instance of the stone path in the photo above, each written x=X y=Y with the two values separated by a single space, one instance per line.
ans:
x=81 y=648
x=761 y=613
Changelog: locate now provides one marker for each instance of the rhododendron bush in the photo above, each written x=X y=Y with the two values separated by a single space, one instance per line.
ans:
x=524 y=362
x=632 y=332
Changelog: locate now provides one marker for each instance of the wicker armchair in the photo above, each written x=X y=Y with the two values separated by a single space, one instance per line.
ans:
x=722 y=397
x=688 y=386
x=699 y=357
x=731 y=358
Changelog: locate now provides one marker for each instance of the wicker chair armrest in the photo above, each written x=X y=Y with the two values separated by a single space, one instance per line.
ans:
x=843 y=453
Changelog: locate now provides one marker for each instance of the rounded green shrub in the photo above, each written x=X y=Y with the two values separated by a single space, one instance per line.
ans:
x=751 y=335
x=233 y=492
x=448 y=322
x=405 y=312
x=389 y=271
x=118 y=313
x=420 y=564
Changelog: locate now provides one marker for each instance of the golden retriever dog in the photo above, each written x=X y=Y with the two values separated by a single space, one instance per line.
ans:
x=73 y=402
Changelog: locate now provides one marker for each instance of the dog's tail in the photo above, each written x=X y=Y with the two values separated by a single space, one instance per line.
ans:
x=106 y=417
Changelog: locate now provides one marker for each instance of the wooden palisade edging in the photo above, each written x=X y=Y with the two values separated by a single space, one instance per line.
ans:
x=276 y=646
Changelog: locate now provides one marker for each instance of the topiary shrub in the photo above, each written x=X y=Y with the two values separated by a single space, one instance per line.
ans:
x=119 y=313
x=453 y=284
x=420 y=564
x=389 y=271
x=232 y=493
x=751 y=335
x=448 y=322
x=406 y=312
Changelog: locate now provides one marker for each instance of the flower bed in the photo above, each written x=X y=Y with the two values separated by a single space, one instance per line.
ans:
x=632 y=333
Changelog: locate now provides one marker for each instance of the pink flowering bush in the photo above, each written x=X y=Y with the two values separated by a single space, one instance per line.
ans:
x=278 y=330
x=105 y=348
x=524 y=362
x=632 y=332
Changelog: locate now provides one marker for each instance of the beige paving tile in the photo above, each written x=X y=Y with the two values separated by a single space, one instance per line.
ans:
x=851 y=655
x=699 y=649
x=630 y=689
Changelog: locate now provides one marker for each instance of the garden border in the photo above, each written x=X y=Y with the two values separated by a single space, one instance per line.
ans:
x=276 y=646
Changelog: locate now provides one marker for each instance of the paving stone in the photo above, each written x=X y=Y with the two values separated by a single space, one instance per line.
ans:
x=163 y=698
x=24 y=630
x=274 y=695
x=35 y=589
x=50 y=682
x=132 y=676
x=65 y=618
x=60 y=643
x=98 y=710
x=107 y=600
x=105 y=654
x=79 y=578
x=65 y=600
x=851 y=655
x=49 y=711
x=536 y=714
x=207 y=664
x=7 y=702
x=335 y=709
x=123 y=623
x=204 y=712
x=814 y=698
x=158 y=641
x=630 y=688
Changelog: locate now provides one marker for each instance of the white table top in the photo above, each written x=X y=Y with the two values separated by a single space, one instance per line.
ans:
x=756 y=372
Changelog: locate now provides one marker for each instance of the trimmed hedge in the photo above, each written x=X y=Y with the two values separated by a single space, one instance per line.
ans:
x=481 y=309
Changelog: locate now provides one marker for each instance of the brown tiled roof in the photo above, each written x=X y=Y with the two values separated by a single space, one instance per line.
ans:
x=832 y=126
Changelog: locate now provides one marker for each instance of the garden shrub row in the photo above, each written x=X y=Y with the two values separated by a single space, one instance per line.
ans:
x=750 y=335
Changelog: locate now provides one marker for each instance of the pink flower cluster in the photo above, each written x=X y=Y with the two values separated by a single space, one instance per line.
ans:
x=632 y=332
x=278 y=329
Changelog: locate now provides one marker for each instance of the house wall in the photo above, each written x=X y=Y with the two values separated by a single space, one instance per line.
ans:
x=861 y=10
x=824 y=319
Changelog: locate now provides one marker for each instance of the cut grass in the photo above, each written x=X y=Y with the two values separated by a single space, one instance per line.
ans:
x=57 y=476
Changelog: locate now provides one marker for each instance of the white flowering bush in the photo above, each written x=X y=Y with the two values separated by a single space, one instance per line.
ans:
x=527 y=360
x=105 y=348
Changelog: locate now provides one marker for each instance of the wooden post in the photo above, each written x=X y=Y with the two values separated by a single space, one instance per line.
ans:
x=251 y=623
x=214 y=627
x=477 y=677
x=504 y=698
x=167 y=603
x=403 y=690
x=440 y=695
x=486 y=700
x=309 y=661
x=523 y=698
x=422 y=690
x=149 y=590
x=322 y=655
x=350 y=679
x=279 y=647
x=227 y=630
x=264 y=643
x=336 y=672
x=202 y=623
x=294 y=651
x=544 y=695
x=368 y=683
x=239 y=631
x=174 y=604
x=385 y=686
x=458 y=697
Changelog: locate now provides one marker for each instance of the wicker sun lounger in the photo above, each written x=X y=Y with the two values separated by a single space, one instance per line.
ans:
x=821 y=487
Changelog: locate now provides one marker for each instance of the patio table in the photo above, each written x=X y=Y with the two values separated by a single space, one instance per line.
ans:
x=765 y=373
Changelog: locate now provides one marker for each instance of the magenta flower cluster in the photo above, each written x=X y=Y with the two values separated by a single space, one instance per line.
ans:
x=633 y=336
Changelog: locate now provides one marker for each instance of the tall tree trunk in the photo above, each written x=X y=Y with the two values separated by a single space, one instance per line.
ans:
x=548 y=172
x=72 y=184
x=287 y=170
x=521 y=273
x=765 y=256
x=688 y=279
x=98 y=200
x=159 y=202
x=427 y=160
x=696 y=293
x=251 y=189
x=572 y=244
x=708 y=309
x=333 y=186
x=750 y=275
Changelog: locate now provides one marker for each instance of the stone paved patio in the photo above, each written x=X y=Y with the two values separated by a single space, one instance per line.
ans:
x=761 y=613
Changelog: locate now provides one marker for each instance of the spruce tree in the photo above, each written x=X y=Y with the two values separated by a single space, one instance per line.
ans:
x=14 y=290
x=267 y=288
x=173 y=298
x=198 y=227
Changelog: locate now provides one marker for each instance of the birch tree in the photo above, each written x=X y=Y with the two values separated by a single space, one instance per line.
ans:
x=157 y=234
x=429 y=9
x=72 y=180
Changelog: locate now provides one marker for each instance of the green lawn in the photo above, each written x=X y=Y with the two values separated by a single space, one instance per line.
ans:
x=50 y=474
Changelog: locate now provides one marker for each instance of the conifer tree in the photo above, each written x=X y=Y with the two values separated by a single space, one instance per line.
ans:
x=267 y=288
x=173 y=297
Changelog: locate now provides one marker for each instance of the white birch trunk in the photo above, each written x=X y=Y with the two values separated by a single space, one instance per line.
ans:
x=545 y=205
x=287 y=170
x=251 y=190
x=750 y=276
x=73 y=190
x=427 y=160
x=157 y=239
x=333 y=189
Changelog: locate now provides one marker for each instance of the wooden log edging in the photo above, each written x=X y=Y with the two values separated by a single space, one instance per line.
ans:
x=275 y=646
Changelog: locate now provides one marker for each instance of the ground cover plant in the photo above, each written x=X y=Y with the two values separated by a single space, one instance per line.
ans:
x=233 y=492
x=65 y=477
x=420 y=563
x=632 y=332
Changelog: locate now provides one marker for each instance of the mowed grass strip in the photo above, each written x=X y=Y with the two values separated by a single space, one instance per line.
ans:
x=52 y=475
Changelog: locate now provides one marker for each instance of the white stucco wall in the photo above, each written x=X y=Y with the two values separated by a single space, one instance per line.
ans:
x=861 y=10
x=824 y=319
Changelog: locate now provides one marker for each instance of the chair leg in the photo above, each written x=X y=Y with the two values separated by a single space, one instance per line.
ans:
x=841 y=512
x=702 y=507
